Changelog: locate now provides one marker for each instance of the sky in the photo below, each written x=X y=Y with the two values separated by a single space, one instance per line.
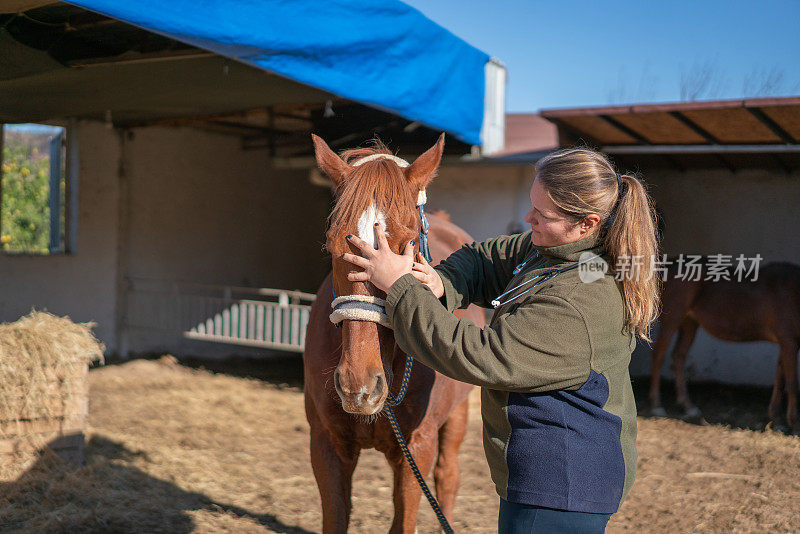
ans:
x=590 y=53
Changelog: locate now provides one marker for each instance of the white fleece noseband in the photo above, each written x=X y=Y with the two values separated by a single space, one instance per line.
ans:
x=359 y=308
x=367 y=307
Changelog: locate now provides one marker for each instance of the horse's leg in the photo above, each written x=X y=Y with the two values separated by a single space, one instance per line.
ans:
x=334 y=474
x=789 y=356
x=407 y=492
x=686 y=334
x=446 y=472
x=669 y=324
x=775 y=408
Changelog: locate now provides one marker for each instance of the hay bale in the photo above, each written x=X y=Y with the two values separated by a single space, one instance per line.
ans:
x=43 y=389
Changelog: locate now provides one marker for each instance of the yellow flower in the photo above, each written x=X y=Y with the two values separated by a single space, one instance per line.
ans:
x=6 y=167
x=5 y=239
x=25 y=171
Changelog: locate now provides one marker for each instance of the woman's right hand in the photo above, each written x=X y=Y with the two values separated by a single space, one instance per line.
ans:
x=422 y=271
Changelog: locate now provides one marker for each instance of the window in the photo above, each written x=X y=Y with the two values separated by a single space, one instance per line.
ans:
x=34 y=190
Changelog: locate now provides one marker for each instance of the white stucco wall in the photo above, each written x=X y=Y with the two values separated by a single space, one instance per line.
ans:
x=205 y=211
x=485 y=201
x=81 y=285
x=202 y=210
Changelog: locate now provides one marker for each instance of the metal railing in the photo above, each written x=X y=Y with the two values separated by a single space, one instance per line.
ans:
x=256 y=317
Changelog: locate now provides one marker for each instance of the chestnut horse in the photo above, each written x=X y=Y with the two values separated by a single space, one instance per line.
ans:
x=767 y=309
x=349 y=371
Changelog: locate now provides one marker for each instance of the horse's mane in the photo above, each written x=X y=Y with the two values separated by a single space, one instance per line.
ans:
x=379 y=182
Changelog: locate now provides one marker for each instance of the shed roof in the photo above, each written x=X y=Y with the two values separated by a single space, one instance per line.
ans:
x=731 y=133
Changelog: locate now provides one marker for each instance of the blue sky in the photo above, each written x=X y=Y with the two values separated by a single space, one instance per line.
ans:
x=589 y=53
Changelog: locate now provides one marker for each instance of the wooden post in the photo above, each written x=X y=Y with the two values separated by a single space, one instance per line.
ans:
x=72 y=189
x=2 y=139
x=123 y=223
x=56 y=147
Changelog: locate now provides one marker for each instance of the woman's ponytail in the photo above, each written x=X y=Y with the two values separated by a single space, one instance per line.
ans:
x=632 y=242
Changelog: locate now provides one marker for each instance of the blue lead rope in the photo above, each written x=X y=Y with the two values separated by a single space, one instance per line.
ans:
x=401 y=441
x=423 y=234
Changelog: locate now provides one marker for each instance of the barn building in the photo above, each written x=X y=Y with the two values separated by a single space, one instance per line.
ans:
x=189 y=169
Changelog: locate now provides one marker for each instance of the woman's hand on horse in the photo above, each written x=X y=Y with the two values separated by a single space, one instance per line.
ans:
x=381 y=266
x=423 y=272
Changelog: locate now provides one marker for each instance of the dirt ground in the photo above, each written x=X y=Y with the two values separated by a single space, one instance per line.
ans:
x=176 y=449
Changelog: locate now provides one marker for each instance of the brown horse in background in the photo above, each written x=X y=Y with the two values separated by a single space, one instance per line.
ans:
x=767 y=309
x=349 y=370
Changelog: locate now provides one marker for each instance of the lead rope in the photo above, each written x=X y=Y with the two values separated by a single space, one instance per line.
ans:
x=422 y=198
x=401 y=441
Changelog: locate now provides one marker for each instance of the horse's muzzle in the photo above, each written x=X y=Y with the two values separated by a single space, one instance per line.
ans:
x=360 y=398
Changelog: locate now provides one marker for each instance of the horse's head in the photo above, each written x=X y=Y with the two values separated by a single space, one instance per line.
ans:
x=372 y=186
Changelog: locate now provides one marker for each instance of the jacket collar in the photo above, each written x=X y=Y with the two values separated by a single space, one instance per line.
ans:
x=572 y=251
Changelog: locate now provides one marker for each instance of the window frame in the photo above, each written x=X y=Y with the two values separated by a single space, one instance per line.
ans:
x=71 y=192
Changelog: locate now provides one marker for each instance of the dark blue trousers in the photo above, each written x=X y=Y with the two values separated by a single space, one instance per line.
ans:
x=525 y=519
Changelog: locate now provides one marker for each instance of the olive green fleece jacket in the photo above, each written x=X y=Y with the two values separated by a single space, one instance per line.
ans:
x=559 y=419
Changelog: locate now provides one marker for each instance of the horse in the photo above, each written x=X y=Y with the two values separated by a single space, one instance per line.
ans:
x=765 y=309
x=349 y=370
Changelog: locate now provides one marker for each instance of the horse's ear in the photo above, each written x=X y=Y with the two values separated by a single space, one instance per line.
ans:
x=420 y=173
x=329 y=163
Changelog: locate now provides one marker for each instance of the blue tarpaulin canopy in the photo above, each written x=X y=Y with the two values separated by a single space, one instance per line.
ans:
x=385 y=54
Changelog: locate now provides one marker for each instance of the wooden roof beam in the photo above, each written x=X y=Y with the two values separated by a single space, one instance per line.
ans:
x=695 y=127
x=135 y=57
x=702 y=149
x=764 y=119
x=619 y=126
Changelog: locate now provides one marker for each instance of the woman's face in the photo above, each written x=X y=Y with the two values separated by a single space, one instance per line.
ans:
x=549 y=227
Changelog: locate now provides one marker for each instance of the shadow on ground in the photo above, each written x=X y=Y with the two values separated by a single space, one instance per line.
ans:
x=743 y=407
x=107 y=494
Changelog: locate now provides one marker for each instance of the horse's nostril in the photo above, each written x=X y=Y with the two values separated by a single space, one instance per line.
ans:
x=337 y=381
x=377 y=391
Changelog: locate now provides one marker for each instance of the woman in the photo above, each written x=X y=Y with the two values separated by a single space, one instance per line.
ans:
x=559 y=419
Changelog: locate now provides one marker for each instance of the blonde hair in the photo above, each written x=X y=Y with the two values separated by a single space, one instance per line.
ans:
x=580 y=182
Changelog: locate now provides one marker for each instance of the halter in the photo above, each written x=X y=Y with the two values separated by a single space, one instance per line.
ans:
x=367 y=307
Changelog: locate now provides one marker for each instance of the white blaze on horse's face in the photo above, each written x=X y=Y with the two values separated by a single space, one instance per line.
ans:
x=366 y=224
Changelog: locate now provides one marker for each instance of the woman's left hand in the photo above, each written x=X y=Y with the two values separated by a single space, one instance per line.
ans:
x=381 y=266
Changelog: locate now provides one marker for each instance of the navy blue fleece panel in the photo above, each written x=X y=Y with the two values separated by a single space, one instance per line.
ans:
x=565 y=451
